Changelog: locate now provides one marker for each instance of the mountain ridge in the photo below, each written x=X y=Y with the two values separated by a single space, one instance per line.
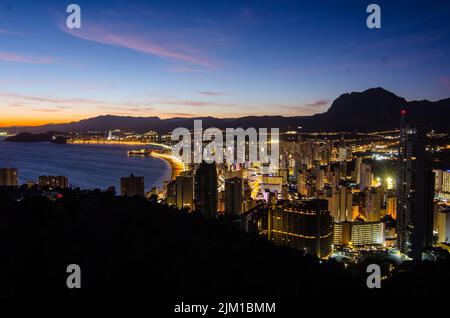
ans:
x=370 y=110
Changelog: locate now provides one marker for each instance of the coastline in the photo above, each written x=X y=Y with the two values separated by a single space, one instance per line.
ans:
x=86 y=166
x=175 y=164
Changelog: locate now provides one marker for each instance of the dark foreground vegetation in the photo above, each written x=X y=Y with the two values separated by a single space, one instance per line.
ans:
x=132 y=247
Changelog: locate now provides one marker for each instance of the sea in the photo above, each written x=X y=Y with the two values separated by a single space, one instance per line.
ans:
x=88 y=166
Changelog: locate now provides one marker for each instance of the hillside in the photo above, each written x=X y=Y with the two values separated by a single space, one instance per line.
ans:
x=373 y=109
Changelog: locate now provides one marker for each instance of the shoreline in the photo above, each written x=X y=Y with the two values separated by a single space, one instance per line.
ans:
x=176 y=165
x=86 y=168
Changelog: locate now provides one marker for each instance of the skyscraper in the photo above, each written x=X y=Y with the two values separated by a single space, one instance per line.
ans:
x=341 y=205
x=184 y=192
x=9 y=177
x=373 y=205
x=233 y=196
x=132 y=185
x=206 y=189
x=365 y=180
x=415 y=189
x=305 y=225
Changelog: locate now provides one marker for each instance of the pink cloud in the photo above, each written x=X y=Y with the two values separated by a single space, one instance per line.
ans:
x=18 y=58
x=179 y=115
x=210 y=93
x=174 y=51
x=445 y=81
x=321 y=102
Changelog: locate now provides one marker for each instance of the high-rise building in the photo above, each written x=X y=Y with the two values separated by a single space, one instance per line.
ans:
x=365 y=180
x=9 y=177
x=358 y=165
x=233 y=196
x=320 y=180
x=131 y=186
x=301 y=184
x=415 y=191
x=184 y=192
x=206 y=189
x=391 y=206
x=373 y=205
x=341 y=205
x=442 y=225
x=53 y=182
x=305 y=225
x=442 y=184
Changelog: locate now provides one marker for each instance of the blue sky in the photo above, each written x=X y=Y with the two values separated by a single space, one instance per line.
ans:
x=214 y=58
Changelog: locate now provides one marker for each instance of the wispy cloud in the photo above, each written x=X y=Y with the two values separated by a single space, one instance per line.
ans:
x=210 y=93
x=46 y=110
x=3 y=31
x=176 y=50
x=319 y=103
x=28 y=59
x=54 y=103
x=166 y=115
x=306 y=109
x=125 y=107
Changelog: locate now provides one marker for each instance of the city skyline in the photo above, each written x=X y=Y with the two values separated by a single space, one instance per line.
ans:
x=217 y=59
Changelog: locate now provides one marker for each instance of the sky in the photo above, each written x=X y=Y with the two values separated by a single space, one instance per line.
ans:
x=213 y=58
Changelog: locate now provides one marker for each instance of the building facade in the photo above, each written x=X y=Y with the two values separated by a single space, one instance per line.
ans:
x=304 y=225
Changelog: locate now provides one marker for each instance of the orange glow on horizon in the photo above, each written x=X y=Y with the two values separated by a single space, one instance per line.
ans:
x=5 y=122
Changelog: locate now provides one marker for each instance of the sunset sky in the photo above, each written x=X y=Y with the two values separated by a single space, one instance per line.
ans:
x=213 y=58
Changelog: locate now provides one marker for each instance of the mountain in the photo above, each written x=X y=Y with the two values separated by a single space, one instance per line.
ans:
x=28 y=137
x=373 y=109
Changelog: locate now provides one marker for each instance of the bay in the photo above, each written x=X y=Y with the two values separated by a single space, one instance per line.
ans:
x=87 y=166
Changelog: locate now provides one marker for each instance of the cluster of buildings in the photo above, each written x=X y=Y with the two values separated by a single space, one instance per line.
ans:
x=325 y=194
x=113 y=137
x=9 y=177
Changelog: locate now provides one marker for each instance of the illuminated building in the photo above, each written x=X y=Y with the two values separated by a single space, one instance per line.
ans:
x=205 y=190
x=391 y=206
x=284 y=173
x=415 y=191
x=320 y=180
x=221 y=202
x=233 y=196
x=273 y=184
x=184 y=192
x=342 y=233
x=343 y=153
x=367 y=233
x=373 y=205
x=131 y=186
x=301 y=184
x=442 y=184
x=389 y=183
x=442 y=225
x=358 y=165
x=305 y=225
x=366 y=177
x=341 y=205
x=359 y=233
x=53 y=182
x=9 y=177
